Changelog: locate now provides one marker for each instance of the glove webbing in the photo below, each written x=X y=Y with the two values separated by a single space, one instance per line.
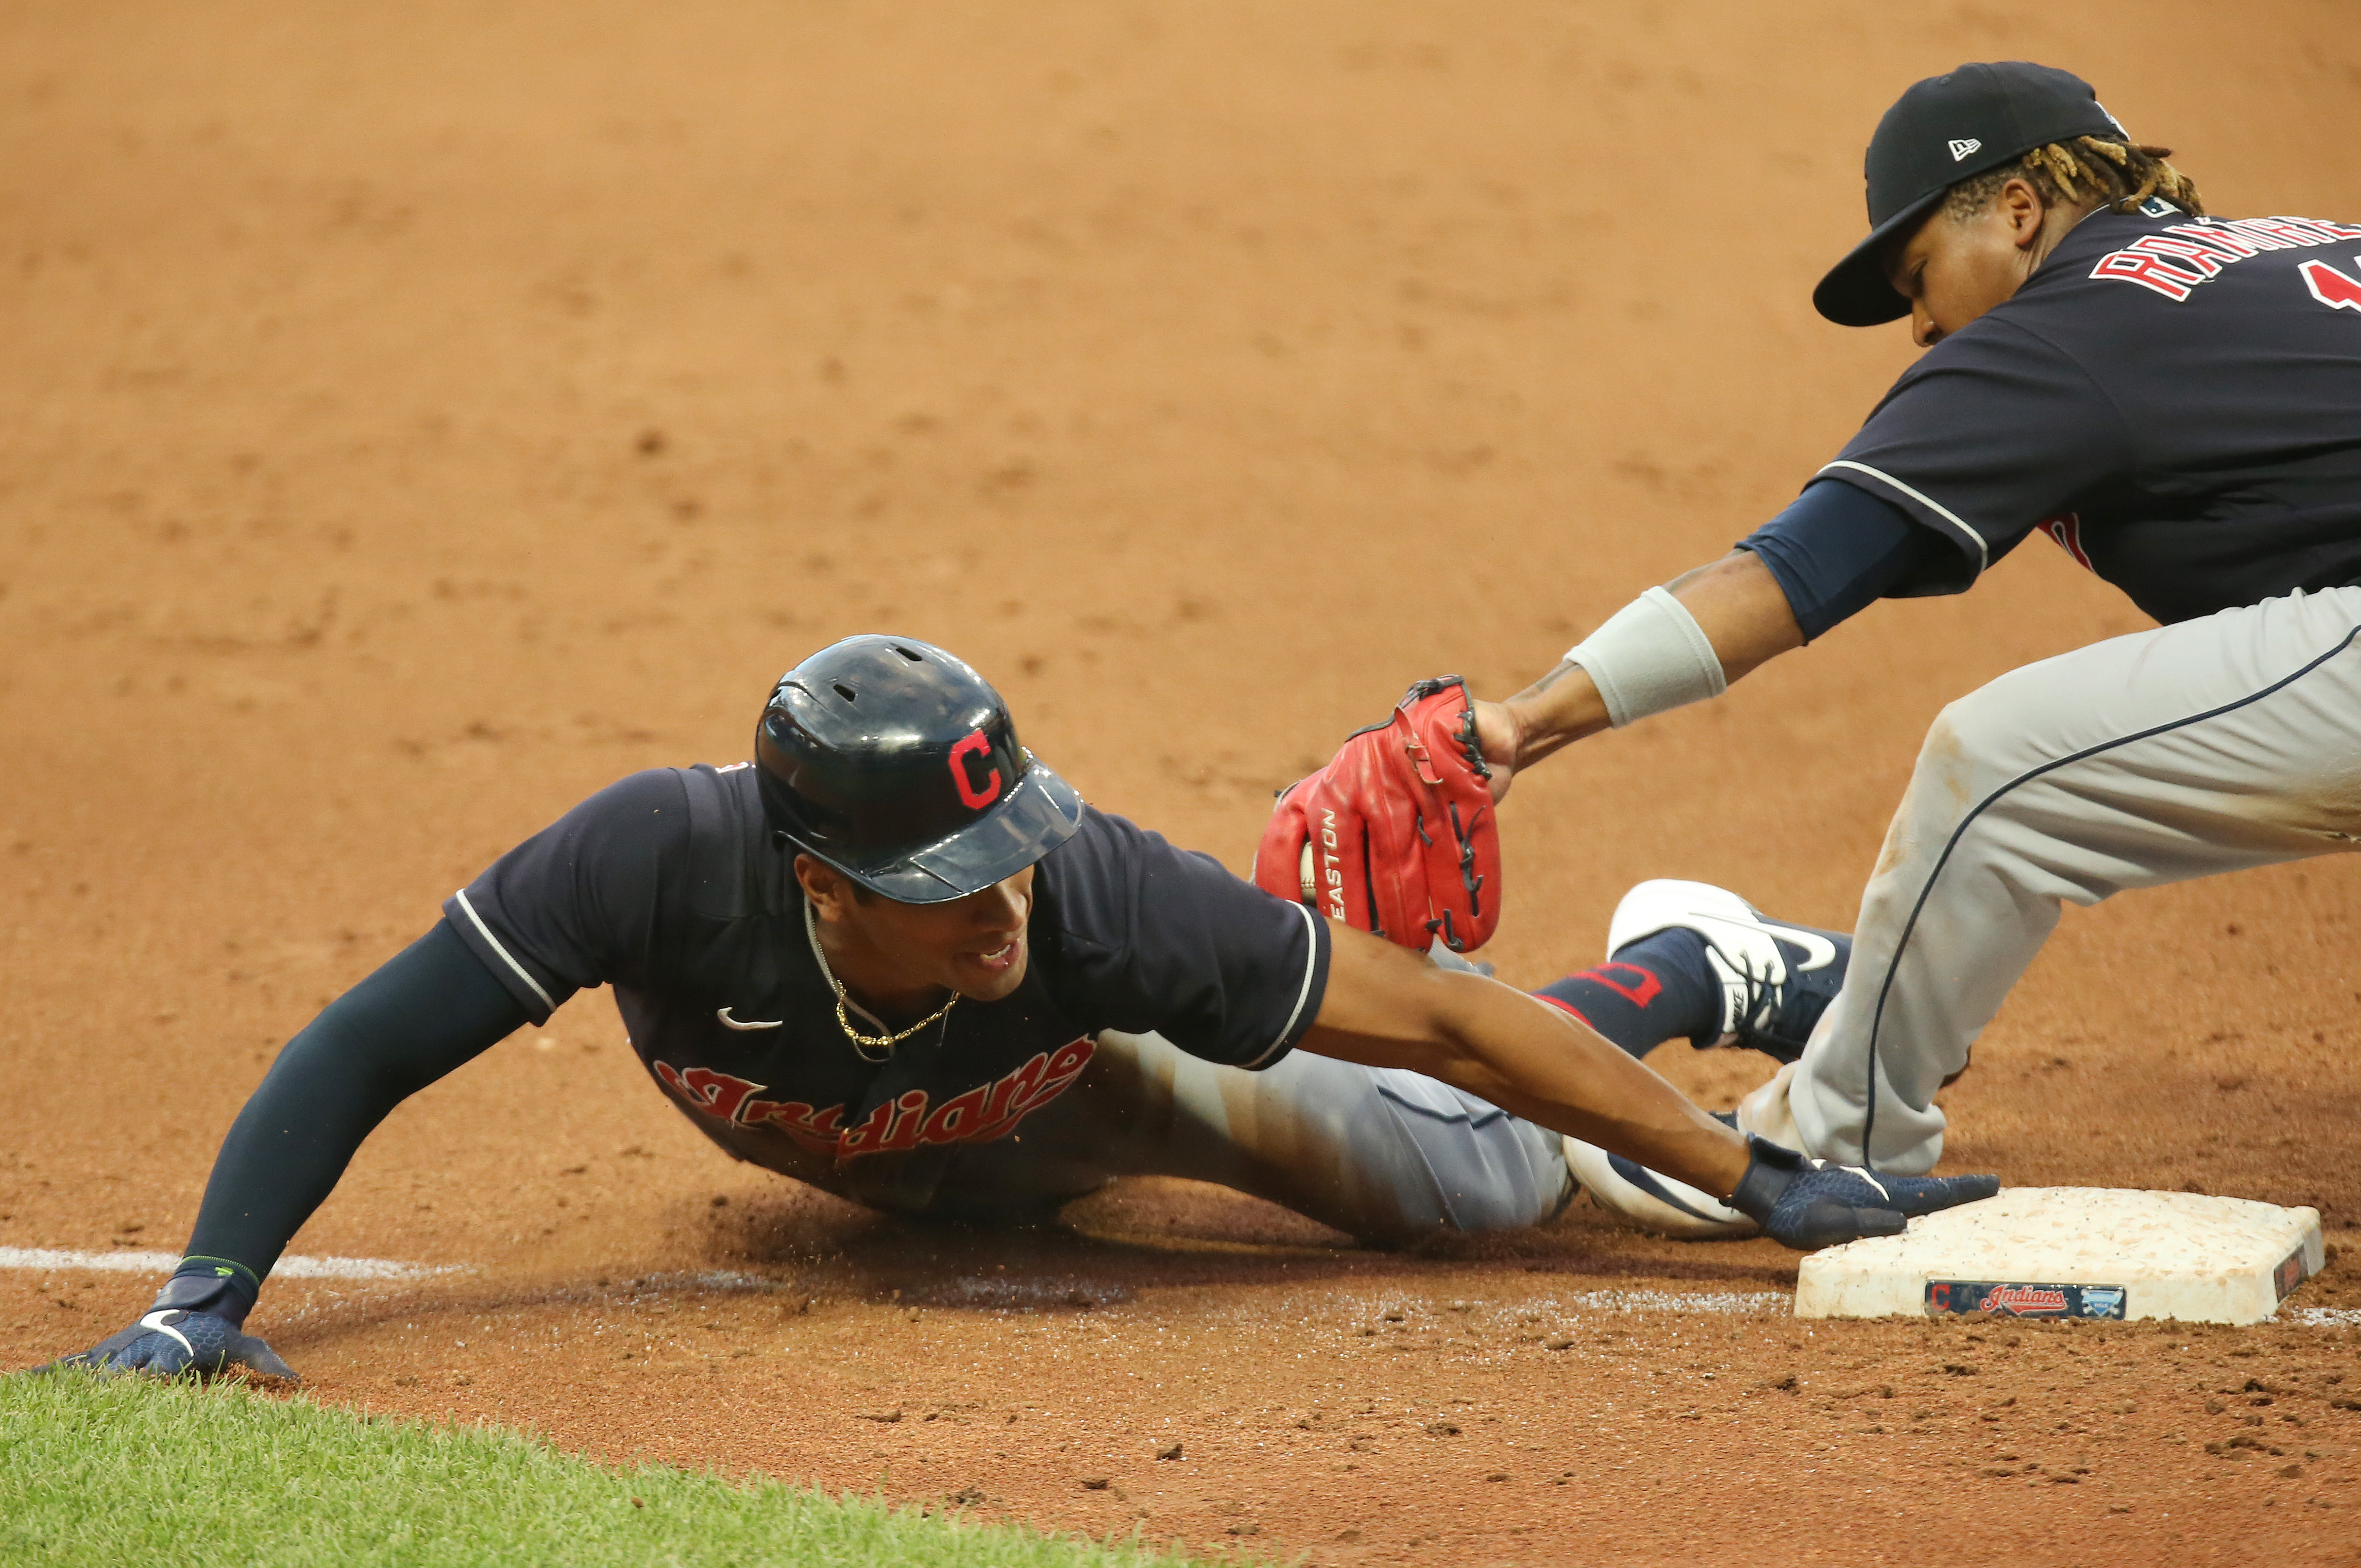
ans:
x=1482 y=770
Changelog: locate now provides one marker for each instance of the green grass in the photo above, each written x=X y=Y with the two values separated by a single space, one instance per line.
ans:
x=132 y=1471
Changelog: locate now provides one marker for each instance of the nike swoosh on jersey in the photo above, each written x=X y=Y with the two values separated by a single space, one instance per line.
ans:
x=730 y=1023
x=1819 y=952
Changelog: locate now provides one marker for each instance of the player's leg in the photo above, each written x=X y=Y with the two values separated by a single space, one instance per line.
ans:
x=1392 y=1156
x=1659 y=987
x=1386 y=1154
x=1691 y=960
x=1381 y=1154
x=2206 y=746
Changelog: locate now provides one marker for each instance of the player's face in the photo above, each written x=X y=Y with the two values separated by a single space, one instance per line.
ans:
x=1953 y=271
x=892 y=952
x=974 y=945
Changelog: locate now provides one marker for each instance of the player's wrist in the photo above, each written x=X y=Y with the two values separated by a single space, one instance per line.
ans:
x=1769 y=1169
x=1561 y=708
x=219 y=1286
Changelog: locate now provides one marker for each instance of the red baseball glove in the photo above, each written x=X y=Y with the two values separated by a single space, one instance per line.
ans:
x=1396 y=834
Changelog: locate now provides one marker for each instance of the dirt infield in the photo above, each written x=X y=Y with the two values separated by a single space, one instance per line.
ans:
x=410 y=422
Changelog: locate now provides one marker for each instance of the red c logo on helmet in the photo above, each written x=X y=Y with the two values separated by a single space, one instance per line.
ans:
x=974 y=799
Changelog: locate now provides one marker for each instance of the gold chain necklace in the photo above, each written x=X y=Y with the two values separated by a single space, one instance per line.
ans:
x=883 y=1045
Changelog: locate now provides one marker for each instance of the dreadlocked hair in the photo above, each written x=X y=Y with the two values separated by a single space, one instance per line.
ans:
x=2119 y=174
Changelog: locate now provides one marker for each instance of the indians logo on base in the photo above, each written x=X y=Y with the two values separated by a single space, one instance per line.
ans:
x=2025 y=1300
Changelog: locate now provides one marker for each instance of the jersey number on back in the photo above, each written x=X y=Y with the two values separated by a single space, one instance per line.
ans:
x=2331 y=288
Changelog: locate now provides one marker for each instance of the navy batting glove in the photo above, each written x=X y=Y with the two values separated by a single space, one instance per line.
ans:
x=193 y=1330
x=1806 y=1204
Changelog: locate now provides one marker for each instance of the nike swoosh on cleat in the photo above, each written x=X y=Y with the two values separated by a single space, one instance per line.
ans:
x=730 y=1023
x=1819 y=952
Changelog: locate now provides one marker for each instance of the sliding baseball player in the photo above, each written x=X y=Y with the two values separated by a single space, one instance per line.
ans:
x=895 y=957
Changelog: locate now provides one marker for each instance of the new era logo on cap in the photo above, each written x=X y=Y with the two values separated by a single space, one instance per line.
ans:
x=1943 y=130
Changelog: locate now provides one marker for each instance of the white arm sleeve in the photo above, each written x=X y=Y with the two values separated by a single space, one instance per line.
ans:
x=1651 y=656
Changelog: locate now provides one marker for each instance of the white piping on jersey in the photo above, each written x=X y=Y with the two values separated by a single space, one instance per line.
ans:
x=1311 y=963
x=506 y=957
x=1984 y=551
x=730 y=1023
x=1304 y=994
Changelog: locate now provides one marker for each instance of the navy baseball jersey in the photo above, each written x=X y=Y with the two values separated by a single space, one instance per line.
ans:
x=2175 y=400
x=668 y=886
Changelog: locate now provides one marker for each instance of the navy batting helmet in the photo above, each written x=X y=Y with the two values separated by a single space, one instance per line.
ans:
x=894 y=761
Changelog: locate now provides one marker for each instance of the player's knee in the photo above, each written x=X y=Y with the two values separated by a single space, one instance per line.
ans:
x=1978 y=731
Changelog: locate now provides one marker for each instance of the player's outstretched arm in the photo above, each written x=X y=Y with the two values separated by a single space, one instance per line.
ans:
x=424 y=1012
x=1735 y=603
x=1386 y=1006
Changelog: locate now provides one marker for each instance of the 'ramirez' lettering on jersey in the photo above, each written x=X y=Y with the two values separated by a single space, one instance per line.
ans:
x=2195 y=440
x=667 y=887
x=2176 y=260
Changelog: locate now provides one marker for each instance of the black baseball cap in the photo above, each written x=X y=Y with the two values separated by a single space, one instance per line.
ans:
x=1943 y=130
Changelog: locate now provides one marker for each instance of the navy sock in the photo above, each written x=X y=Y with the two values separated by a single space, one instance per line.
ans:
x=1656 y=989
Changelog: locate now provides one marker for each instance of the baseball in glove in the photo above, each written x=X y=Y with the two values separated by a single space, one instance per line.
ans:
x=1396 y=835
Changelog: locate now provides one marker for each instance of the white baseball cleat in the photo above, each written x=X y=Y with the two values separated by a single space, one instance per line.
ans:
x=1650 y=1201
x=1654 y=1202
x=1776 y=979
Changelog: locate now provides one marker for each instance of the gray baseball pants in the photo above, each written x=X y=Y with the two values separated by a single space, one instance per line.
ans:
x=1384 y=1154
x=2207 y=746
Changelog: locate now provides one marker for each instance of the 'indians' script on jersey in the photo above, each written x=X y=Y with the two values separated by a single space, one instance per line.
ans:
x=979 y=1115
x=668 y=887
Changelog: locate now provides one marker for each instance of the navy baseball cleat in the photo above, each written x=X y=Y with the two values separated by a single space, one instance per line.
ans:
x=1776 y=979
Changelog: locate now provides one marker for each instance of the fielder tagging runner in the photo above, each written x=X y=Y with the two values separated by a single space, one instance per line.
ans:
x=2174 y=400
x=895 y=957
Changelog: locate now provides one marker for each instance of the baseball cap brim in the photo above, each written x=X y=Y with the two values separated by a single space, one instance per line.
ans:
x=1855 y=292
x=1943 y=130
x=1042 y=812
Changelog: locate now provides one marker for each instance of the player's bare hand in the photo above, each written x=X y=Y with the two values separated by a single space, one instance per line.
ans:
x=1500 y=737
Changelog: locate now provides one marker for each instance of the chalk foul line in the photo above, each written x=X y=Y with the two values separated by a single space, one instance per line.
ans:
x=59 y=1260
